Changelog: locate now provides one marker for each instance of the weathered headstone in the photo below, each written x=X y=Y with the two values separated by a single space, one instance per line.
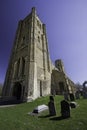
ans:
x=77 y=95
x=51 y=105
x=65 y=109
x=72 y=98
x=66 y=96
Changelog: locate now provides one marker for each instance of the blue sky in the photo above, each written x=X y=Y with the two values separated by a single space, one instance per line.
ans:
x=66 y=24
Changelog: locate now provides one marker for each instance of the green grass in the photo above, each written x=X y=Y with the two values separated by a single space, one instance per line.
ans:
x=17 y=118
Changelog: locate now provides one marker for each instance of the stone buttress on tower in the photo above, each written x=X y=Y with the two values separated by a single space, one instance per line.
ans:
x=29 y=75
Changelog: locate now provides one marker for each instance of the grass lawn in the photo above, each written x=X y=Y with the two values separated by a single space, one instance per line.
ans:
x=17 y=118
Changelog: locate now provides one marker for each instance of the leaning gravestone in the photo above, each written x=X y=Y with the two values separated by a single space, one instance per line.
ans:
x=51 y=105
x=65 y=109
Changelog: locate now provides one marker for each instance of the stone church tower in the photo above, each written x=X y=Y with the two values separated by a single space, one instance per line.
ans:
x=29 y=71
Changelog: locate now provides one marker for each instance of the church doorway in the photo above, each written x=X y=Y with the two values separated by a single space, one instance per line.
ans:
x=17 y=90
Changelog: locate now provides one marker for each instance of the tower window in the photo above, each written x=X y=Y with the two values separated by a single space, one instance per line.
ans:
x=23 y=66
x=38 y=39
x=23 y=40
x=17 y=69
x=38 y=24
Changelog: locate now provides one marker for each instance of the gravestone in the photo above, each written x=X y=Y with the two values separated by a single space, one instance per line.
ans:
x=85 y=90
x=72 y=98
x=85 y=94
x=65 y=109
x=73 y=104
x=66 y=96
x=40 y=108
x=51 y=105
x=77 y=95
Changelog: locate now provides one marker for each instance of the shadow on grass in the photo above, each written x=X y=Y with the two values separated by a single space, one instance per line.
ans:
x=59 y=118
x=54 y=118
x=45 y=116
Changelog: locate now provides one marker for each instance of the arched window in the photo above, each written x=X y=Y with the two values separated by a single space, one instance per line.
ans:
x=23 y=40
x=23 y=66
x=17 y=70
x=38 y=39
x=14 y=69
